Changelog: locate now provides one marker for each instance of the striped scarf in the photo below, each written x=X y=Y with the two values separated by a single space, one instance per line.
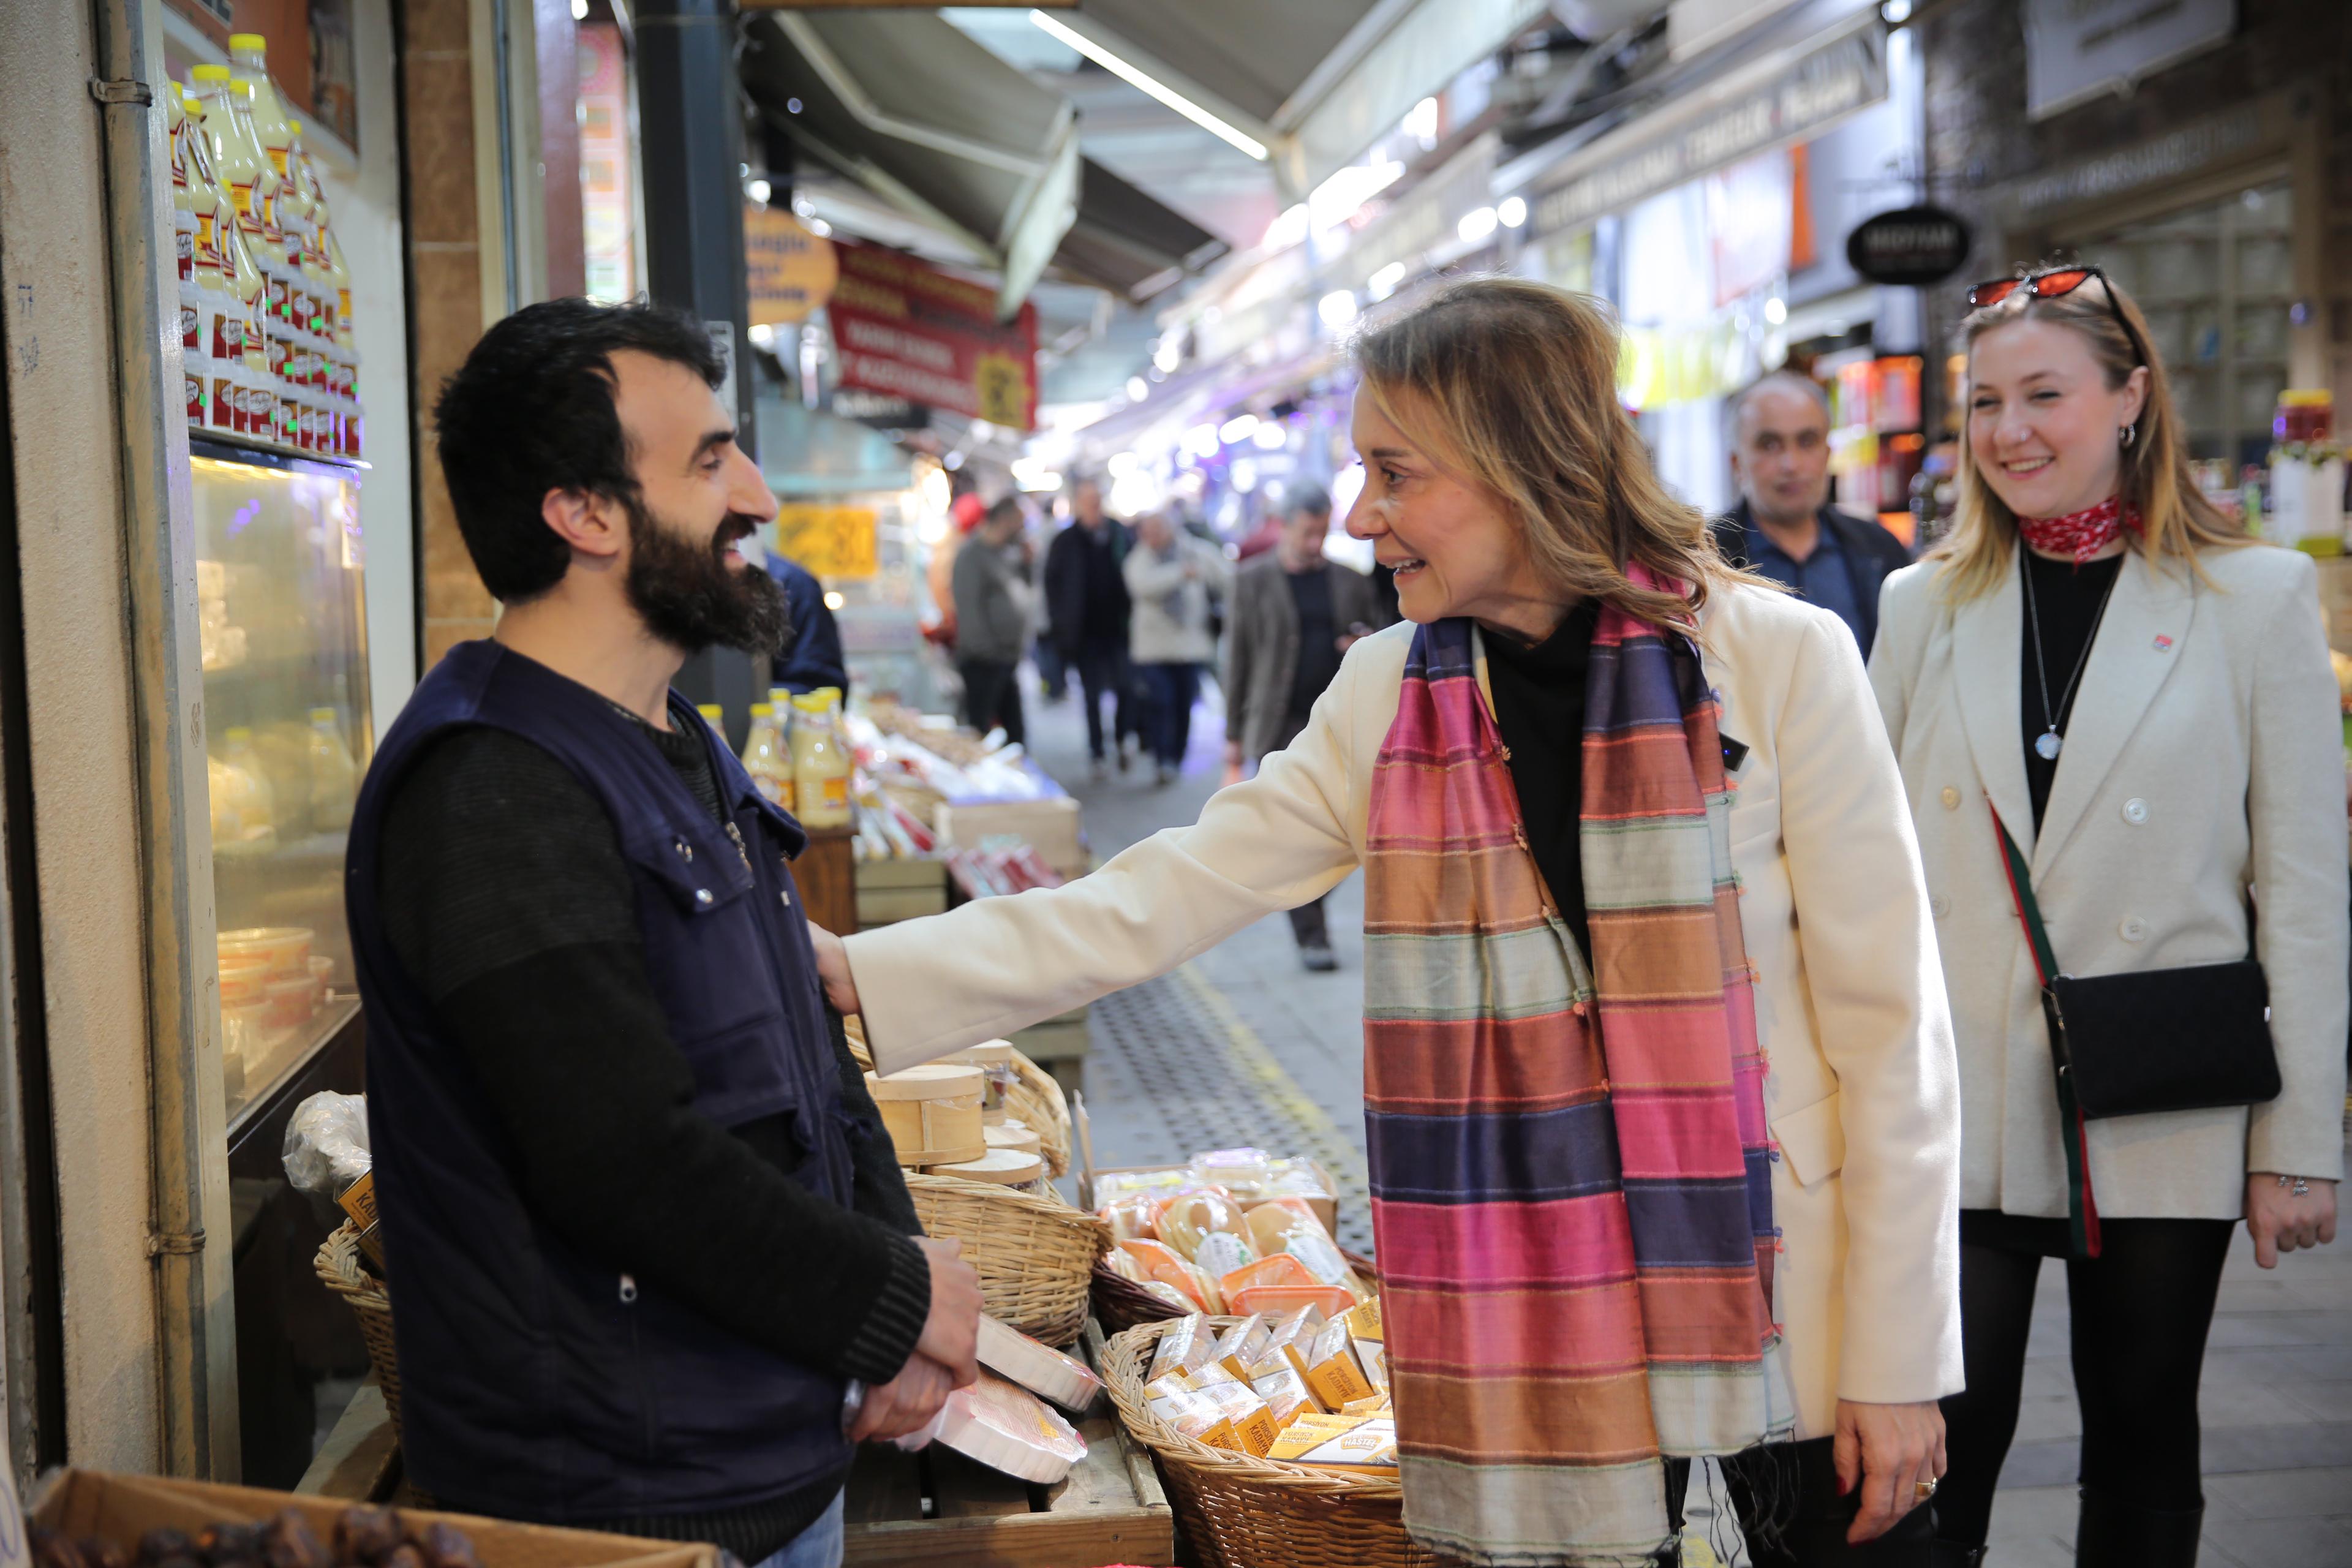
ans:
x=1571 y=1195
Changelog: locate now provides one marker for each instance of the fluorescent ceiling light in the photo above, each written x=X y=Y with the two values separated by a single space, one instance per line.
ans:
x=1384 y=282
x=1476 y=226
x=1337 y=308
x=1513 y=212
x=1158 y=89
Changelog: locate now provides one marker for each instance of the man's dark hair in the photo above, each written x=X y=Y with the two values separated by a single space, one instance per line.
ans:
x=532 y=411
x=1310 y=499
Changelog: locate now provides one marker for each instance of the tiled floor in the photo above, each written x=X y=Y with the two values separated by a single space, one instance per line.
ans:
x=2277 y=1394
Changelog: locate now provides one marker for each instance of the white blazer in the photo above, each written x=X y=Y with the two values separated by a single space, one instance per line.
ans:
x=2203 y=769
x=1861 y=1098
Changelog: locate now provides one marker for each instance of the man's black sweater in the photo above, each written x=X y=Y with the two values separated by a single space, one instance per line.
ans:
x=505 y=895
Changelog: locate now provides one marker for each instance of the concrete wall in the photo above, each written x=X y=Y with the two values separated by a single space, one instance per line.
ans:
x=54 y=290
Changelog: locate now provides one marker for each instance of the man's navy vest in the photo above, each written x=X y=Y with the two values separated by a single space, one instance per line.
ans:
x=538 y=1384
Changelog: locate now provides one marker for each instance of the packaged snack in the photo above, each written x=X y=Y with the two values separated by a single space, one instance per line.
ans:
x=1010 y=1429
x=1117 y=1186
x=1279 y=1270
x=1371 y=1404
x=1364 y=1322
x=1280 y=1298
x=1270 y=1220
x=1363 y=1443
x=1284 y=1391
x=1293 y=1335
x=1374 y=1356
x=1244 y=1173
x=1240 y=1347
x=1161 y=1263
x=1129 y=1218
x=1333 y=1374
x=1222 y=1252
x=1039 y=1368
x=1188 y=1217
x=1252 y=1420
x=1320 y=1256
x=1183 y=1347
x=1197 y=1417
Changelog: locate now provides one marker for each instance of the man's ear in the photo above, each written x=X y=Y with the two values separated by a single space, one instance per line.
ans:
x=591 y=524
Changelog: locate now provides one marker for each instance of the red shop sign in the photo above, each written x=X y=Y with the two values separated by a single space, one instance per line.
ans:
x=904 y=329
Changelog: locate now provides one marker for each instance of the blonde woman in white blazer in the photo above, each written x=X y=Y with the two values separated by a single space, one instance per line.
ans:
x=2145 y=699
x=1860 y=1096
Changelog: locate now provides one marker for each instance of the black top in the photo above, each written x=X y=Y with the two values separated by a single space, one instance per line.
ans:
x=2067 y=600
x=505 y=894
x=1318 y=638
x=1539 y=709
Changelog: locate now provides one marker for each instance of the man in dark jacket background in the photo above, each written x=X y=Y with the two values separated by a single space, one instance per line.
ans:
x=655 y=1266
x=1294 y=615
x=811 y=656
x=1087 y=606
x=1784 y=527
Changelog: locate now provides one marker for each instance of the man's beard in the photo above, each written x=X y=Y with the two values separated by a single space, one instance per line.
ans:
x=690 y=598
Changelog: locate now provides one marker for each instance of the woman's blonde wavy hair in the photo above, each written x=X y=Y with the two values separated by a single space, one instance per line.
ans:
x=1514 y=385
x=2155 y=476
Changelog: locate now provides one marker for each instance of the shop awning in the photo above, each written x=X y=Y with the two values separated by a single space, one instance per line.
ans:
x=912 y=109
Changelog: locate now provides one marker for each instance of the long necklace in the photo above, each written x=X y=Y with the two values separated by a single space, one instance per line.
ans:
x=2047 y=744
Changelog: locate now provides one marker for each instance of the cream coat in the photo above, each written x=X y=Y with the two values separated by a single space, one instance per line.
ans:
x=1861 y=1098
x=2203 y=767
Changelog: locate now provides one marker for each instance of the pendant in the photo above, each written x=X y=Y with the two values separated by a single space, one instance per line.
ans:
x=2046 y=746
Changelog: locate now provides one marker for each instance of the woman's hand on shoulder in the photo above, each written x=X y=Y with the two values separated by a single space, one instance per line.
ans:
x=2279 y=1221
x=832 y=968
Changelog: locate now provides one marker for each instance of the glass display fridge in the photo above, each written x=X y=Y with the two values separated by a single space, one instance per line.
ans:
x=282 y=609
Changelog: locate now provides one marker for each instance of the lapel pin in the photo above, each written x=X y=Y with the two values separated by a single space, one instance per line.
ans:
x=2163 y=643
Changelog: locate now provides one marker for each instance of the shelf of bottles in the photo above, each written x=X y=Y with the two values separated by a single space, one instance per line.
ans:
x=283 y=621
x=265 y=297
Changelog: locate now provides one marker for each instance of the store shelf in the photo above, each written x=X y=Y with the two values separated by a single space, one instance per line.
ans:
x=266 y=454
x=286 y=1059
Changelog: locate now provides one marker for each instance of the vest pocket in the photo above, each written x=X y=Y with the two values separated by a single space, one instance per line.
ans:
x=699 y=867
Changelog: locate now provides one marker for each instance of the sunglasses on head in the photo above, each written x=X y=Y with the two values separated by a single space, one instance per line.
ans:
x=2056 y=283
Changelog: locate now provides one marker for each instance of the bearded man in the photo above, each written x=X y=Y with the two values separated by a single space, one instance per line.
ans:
x=653 y=1263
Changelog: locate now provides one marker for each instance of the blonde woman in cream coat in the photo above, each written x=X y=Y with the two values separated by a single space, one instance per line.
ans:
x=2197 y=775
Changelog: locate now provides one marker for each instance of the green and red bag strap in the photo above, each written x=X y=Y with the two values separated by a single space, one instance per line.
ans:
x=2082 y=1207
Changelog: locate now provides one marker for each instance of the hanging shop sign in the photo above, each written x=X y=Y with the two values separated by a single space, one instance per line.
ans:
x=789 y=271
x=1913 y=246
x=1791 y=96
x=903 y=328
x=2079 y=49
x=834 y=542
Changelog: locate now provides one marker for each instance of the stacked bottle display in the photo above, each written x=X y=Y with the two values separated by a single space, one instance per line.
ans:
x=265 y=298
x=798 y=756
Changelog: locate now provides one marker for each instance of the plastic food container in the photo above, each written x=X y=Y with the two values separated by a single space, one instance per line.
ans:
x=291 y=1001
x=287 y=948
x=322 y=977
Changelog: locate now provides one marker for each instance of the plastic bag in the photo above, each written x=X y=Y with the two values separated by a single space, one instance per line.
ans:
x=326 y=1143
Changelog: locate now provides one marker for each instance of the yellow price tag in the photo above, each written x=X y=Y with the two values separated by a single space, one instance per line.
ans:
x=835 y=542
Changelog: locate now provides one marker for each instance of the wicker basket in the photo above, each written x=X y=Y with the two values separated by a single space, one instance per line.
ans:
x=1121 y=1304
x=340 y=1273
x=1239 y=1512
x=1036 y=1255
x=1038 y=1102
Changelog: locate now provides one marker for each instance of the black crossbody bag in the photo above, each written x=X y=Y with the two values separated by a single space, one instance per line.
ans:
x=2190 y=1038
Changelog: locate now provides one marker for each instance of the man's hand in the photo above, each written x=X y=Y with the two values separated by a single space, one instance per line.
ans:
x=832 y=968
x=952 y=1333
x=2281 y=1221
x=906 y=1404
x=1887 y=1450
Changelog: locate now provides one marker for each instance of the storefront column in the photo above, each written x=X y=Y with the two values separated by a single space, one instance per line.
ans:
x=691 y=147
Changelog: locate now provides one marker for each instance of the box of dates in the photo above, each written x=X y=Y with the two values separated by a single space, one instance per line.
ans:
x=87 y=1519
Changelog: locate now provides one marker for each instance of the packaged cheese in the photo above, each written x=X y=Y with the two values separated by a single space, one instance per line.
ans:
x=1279 y=1299
x=1161 y=1263
x=1333 y=1374
x=1037 y=1367
x=1188 y=1218
x=1007 y=1428
x=1362 y=1443
x=1281 y=1269
x=1372 y=1405
x=1182 y=1347
x=1196 y=1416
x=1270 y=1221
x=1252 y=1420
x=1284 y=1391
x=1364 y=1322
x=1374 y=1357
x=1294 y=1335
x=1241 y=1345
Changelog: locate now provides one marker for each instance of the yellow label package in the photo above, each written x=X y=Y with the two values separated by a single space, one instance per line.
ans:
x=1333 y=1374
x=1284 y=1391
x=1252 y=1420
x=1363 y=1323
x=1374 y=1357
x=1293 y=1336
x=1199 y=1417
x=1366 y=1443
x=1242 y=1346
x=1371 y=1404
x=1183 y=1347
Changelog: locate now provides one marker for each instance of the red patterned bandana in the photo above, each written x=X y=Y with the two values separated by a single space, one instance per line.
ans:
x=2080 y=534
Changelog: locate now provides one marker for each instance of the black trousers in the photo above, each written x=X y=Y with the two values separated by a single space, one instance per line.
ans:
x=1812 y=1522
x=1103 y=672
x=2140 y=1314
x=992 y=696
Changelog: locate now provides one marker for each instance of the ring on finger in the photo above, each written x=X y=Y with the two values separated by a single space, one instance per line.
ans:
x=1921 y=1490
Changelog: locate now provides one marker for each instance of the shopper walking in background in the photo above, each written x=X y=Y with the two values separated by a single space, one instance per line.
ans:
x=1784 y=527
x=1294 y=615
x=993 y=602
x=1659 y=1083
x=613 y=1127
x=1174 y=576
x=1087 y=605
x=2126 y=733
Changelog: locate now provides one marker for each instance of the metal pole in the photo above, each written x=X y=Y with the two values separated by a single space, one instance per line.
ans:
x=189 y=1232
x=691 y=149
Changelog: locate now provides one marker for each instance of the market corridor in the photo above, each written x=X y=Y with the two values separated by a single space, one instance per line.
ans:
x=1242 y=1046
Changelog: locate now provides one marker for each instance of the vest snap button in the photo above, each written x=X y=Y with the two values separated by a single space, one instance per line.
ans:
x=702 y=896
x=685 y=850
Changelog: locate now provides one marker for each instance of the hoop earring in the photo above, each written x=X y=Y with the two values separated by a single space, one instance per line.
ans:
x=2127 y=435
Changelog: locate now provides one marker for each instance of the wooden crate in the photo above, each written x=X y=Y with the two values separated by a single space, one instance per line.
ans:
x=900 y=890
x=942 y=1510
